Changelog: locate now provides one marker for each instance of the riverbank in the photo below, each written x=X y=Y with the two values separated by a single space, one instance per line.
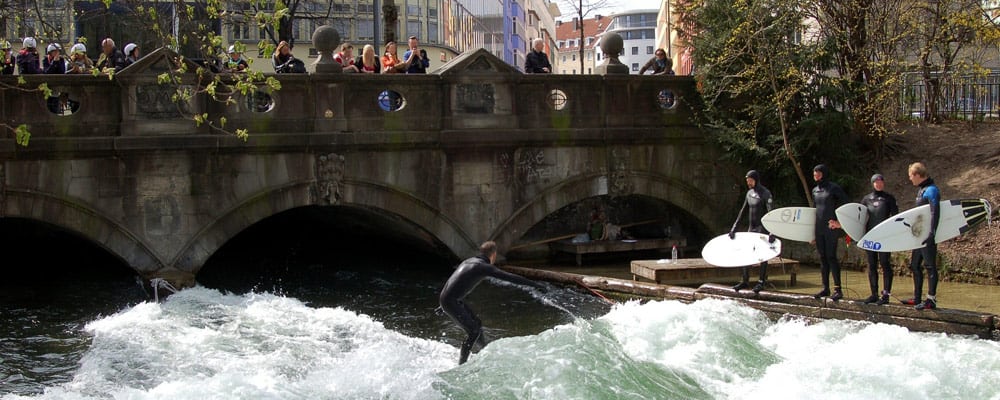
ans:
x=963 y=158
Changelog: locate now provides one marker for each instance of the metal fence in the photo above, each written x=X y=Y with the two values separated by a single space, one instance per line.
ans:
x=967 y=96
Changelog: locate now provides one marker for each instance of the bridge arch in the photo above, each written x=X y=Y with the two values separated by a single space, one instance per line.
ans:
x=85 y=221
x=676 y=192
x=356 y=193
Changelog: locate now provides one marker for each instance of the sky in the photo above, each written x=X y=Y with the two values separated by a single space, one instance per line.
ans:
x=616 y=6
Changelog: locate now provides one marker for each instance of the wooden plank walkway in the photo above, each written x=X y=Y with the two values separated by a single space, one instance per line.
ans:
x=687 y=271
x=612 y=246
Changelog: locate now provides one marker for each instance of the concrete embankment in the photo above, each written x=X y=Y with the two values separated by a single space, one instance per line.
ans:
x=777 y=304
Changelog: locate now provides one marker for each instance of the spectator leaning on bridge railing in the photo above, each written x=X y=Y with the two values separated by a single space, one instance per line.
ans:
x=79 y=63
x=420 y=62
x=536 y=62
x=284 y=62
x=8 y=62
x=110 y=56
x=346 y=58
x=368 y=63
x=54 y=63
x=27 y=58
x=131 y=54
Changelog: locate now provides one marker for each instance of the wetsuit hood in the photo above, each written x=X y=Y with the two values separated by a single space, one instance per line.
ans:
x=754 y=174
x=822 y=168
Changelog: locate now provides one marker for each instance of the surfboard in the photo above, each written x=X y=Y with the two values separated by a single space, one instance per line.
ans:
x=792 y=223
x=853 y=218
x=748 y=248
x=907 y=230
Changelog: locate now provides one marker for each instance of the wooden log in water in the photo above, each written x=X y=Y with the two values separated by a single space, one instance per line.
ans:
x=779 y=304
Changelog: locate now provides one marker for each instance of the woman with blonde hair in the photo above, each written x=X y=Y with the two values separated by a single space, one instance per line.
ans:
x=367 y=63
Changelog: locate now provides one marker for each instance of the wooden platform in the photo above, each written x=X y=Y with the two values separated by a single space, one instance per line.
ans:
x=612 y=246
x=697 y=271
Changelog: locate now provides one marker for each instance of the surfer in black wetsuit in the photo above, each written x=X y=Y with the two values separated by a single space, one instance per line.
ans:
x=828 y=196
x=928 y=194
x=465 y=278
x=758 y=202
x=881 y=206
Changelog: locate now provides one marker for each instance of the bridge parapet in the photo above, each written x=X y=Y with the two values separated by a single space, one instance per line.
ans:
x=475 y=151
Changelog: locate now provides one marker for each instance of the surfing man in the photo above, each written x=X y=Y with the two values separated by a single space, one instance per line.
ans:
x=827 y=196
x=927 y=194
x=758 y=202
x=881 y=206
x=465 y=278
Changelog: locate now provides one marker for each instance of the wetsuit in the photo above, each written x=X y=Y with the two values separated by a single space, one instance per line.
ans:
x=465 y=278
x=881 y=206
x=928 y=194
x=758 y=202
x=828 y=196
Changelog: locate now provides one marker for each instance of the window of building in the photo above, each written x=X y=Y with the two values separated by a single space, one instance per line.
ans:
x=366 y=8
x=598 y=56
x=574 y=57
x=562 y=44
x=635 y=50
x=574 y=72
x=589 y=71
x=343 y=27
x=432 y=32
x=590 y=56
x=432 y=12
x=413 y=28
x=649 y=49
x=241 y=31
x=635 y=66
x=590 y=41
x=564 y=59
x=365 y=30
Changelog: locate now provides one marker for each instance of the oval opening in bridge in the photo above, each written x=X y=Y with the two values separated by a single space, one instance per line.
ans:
x=260 y=102
x=59 y=103
x=665 y=99
x=391 y=101
x=557 y=99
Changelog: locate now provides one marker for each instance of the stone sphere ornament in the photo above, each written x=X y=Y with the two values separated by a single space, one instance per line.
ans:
x=326 y=39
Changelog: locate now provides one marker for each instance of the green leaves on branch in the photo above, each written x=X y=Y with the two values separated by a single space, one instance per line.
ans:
x=22 y=135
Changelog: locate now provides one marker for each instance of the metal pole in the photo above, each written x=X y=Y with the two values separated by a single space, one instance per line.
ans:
x=376 y=16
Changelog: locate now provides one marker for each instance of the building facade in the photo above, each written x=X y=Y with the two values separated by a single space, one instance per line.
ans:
x=638 y=30
x=569 y=43
x=446 y=28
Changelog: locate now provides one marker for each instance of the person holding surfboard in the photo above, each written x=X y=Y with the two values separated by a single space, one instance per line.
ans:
x=880 y=205
x=758 y=202
x=827 y=196
x=465 y=278
x=927 y=194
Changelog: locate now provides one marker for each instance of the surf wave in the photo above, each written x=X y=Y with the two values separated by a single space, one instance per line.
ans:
x=205 y=344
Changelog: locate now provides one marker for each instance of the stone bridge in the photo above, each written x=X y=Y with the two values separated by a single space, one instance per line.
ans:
x=473 y=152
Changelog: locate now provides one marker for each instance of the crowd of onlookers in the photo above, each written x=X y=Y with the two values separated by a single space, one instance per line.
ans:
x=28 y=61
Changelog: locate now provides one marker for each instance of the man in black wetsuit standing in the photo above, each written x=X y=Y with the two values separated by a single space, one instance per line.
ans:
x=758 y=202
x=927 y=194
x=465 y=278
x=881 y=206
x=827 y=196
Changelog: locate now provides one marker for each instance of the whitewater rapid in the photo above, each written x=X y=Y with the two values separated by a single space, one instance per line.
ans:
x=203 y=344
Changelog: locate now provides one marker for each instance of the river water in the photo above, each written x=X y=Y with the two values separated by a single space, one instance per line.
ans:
x=374 y=334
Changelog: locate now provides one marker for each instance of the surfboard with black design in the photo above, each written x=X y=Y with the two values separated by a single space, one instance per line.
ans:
x=908 y=230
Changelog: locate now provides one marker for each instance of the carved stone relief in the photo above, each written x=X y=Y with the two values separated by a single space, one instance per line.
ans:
x=476 y=98
x=619 y=166
x=329 y=179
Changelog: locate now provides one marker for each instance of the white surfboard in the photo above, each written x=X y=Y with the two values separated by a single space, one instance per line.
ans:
x=907 y=230
x=853 y=218
x=792 y=223
x=747 y=248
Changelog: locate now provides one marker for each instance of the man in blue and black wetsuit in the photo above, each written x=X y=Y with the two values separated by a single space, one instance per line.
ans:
x=758 y=202
x=827 y=196
x=881 y=206
x=928 y=194
x=465 y=278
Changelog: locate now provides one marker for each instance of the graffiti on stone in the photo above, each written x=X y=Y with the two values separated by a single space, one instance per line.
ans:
x=329 y=179
x=476 y=98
